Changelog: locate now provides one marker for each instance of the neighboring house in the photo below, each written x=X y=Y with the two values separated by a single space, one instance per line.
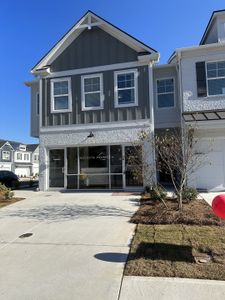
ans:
x=6 y=155
x=19 y=158
x=98 y=87
x=34 y=150
x=202 y=88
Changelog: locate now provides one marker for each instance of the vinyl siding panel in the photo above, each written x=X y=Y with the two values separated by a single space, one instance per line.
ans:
x=92 y=48
x=166 y=117
x=108 y=114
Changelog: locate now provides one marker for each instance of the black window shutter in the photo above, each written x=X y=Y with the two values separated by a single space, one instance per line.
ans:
x=201 y=79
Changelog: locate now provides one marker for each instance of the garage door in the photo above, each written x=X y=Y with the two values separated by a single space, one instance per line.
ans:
x=22 y=172
x=211 y=174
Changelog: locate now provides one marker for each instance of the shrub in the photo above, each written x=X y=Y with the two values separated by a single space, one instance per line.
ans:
x=156 y=192
x=189 y=194
x=6 y=192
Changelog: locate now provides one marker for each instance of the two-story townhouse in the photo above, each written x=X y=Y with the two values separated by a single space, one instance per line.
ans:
x=202 y=92
x=98 y=87
x=6 y=155
x=91 y=97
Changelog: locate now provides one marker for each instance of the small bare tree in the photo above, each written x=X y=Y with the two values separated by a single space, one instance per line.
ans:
x=143 y=168
x=177 y=156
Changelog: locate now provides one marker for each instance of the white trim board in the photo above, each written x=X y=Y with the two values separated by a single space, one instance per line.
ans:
x=100 y=126
x=98 y=69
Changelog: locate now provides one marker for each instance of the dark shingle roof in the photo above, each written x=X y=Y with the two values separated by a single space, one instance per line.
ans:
x=32 y=147
x=15 y=145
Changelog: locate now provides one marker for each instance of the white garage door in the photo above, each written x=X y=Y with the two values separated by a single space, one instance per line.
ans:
x=211 y=174
x=22 y=171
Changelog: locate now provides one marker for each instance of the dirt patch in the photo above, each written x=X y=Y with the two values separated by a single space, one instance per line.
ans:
x=4 y=202
x=178 y=251
x=196 y=212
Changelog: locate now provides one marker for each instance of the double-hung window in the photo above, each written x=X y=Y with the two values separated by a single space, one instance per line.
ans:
x=92 y=92
x=26 y=156
x=6 y=155
x=126 y=88
x=19 y=156
x=165 y=93
x=215 y=78
x=61 y=97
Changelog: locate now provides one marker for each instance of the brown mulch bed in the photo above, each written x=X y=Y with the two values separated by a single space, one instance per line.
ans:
x=196 y=212
x=5 y=202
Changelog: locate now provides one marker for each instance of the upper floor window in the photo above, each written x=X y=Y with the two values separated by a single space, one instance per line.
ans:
x=216 y=78
x=6 y=155
x=19 y=156
x=92 y=92
x=36 y=157
x=38 y=104
x=26 y=156
x=61 y=97
x=165 y=93
x=126 y=88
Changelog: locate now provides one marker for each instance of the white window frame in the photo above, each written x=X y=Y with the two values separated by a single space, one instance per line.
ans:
x=36 y=157
x=222 y=77
x=22 y=147
x=116 y=89
x=69 y=109
x=21 y=156
x=83 y=93
x=7 y=153
x=174 y=93
x=26 y=155
x=38 y=104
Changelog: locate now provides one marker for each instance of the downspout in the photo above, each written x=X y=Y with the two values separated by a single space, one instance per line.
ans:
x=152 y=120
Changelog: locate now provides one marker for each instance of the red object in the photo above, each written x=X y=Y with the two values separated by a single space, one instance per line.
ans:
x=218 y=206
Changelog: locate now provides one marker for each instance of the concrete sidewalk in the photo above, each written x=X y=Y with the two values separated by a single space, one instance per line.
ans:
x=157 y=288
x=77 y=250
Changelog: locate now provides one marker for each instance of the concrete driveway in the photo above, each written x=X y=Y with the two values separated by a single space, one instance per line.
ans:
x=77 y=250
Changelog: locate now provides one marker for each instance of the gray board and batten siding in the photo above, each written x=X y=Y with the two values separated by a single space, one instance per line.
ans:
x=108 y=114
x=93 y=48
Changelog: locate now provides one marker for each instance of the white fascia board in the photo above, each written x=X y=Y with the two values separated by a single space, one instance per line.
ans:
x=31 y=82
x=76 y=31
x=149 y=58
x=213 y=46
x=101 y=126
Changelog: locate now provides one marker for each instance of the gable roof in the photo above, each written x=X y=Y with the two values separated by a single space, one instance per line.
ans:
x=3 y=142
x=92 y=20
x=209 y=25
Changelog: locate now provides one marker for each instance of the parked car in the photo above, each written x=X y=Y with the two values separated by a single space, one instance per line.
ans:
x=9 y=179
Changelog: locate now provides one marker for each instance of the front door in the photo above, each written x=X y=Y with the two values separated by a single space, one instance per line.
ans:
x=133 y=167
x=56 y=168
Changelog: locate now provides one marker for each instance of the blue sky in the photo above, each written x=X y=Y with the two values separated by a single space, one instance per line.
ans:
x=30 y=28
